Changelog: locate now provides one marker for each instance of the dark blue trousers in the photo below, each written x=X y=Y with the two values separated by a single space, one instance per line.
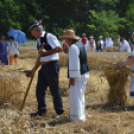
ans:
x=48 y=77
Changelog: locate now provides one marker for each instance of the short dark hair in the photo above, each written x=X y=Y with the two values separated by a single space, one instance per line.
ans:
x=3 y=37
x=38 y=27
x=11 y=38
x=121 y=39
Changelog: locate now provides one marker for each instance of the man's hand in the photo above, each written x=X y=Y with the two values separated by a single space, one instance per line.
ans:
x=28 y=73
x=66 y=49
x=59 y=49
x=72 y=81
x=129 y=57
x=120 y=65
x=42 y=52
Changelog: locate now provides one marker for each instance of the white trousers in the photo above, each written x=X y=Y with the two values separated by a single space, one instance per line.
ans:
x=77 y=99
x=132 y=87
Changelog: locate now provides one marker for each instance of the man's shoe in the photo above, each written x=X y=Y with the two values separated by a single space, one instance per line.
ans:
x=58 y=116
x=39 y=113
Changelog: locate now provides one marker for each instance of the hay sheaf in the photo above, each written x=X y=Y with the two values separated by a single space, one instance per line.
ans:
x=117 y=79
x=11 y=86
x=94 y=58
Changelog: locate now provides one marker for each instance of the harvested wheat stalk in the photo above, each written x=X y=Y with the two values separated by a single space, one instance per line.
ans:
x=11 y=86
x=117 y=79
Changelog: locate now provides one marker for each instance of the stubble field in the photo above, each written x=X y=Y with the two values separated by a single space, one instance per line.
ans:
x=104 y=120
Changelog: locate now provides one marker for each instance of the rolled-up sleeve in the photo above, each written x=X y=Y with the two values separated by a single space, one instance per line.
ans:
x=128 y=49
x=74 y=62
x=52 y=41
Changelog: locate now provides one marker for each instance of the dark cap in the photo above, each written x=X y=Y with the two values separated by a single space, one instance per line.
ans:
x=11 y=38
x=33 y=24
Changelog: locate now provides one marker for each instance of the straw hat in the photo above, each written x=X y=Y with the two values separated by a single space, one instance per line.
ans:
x=69 y=34
x=91 y=37
x=84 y=34
x=101 y=36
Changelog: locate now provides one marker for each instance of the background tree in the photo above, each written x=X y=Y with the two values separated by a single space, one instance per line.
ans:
x=94 y=17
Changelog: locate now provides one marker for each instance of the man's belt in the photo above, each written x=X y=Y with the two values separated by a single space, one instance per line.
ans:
x=43 y=63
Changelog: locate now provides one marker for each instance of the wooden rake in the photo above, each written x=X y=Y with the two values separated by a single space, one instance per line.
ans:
x=33 y=73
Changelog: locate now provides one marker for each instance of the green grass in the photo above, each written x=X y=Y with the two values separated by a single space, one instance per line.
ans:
x=32 y=43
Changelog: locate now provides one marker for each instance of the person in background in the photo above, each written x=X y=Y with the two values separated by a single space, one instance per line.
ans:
x=118 y=39
x=65 y=47
x=108 y=43
x=124 y=46
x=91 y=37
x=84 y=40
x=91 y=46
x=98 y=47
x=124 y=38
x=13 y=51
x=3 y=51
x=130 y=61
x=102 y=42
x=78 y=72
x=113 y=39
x=131 y=45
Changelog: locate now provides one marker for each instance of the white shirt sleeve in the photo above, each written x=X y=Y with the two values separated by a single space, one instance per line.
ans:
x=128 y=49
x=74 y=62
x=95 y=43
x=52 y=41
x=112 y=42
x=86 y=45
x=94 y=46
x=87 y=42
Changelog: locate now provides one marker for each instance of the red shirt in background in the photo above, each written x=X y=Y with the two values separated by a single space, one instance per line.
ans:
x=65 y=47
x=84 y=40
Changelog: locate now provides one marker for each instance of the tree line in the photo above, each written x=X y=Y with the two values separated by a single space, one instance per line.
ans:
x=93 y=17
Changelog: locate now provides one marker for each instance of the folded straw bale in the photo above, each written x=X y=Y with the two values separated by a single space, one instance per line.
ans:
x=117 y=79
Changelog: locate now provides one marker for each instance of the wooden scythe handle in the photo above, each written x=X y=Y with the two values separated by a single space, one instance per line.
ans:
x=33 y=73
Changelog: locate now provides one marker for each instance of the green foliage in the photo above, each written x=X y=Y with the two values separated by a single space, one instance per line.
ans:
x=93 y=17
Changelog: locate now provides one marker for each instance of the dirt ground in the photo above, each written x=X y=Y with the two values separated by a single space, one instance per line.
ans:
x=104 y=119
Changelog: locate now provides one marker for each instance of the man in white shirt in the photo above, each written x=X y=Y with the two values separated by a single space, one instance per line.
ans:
x=48 y=74
x=109 y=42
x=78 y=72
x=124 y=46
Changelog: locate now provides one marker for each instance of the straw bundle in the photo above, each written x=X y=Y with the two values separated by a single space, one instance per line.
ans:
x=63 y=59
x=93 y=59
x=11 y=86
x=112 y=49
x=117 y=80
